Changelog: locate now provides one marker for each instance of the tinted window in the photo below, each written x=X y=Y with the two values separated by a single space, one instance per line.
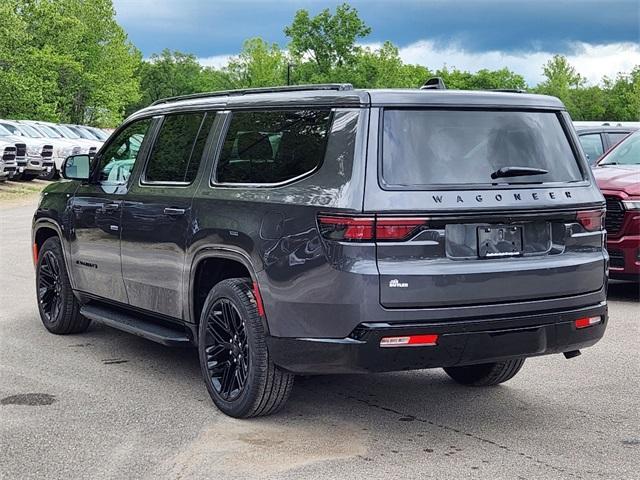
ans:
x=592 y=146
x=616 y=137
x=119 y=156
x=176 y=154
x=273 y=147
x=445 y=147
x=626 y=153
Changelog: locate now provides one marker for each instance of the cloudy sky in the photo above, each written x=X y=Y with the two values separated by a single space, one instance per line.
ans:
x=599 y=37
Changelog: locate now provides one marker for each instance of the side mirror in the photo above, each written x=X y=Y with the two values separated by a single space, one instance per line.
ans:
x=76 y=167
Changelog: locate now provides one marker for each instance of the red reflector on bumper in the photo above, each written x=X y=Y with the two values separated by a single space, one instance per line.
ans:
x=587 y=322
x=410 y=341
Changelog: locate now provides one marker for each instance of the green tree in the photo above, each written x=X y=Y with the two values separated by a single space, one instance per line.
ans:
x=258 y=65
x=84 y=55
x=482 y=80
x=622 y=96
x=327 y=39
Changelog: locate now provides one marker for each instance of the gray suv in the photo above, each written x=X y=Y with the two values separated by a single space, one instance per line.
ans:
x=324 y=229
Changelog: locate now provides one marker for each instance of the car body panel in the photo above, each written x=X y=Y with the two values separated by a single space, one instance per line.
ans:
x=312 y=288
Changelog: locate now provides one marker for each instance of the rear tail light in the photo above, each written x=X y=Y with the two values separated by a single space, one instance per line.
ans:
x=591 y=220
x=409 y=341
x=353 y=229
x=397 y=228
x=588 y=322
x=363 y=229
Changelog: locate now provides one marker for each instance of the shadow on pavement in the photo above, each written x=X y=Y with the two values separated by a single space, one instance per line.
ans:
x=624 y=291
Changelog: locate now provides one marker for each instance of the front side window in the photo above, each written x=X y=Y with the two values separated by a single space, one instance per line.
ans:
x=273 y=147
x=119 y=156
x=482 y=147
x=592 y=146
x=176 y=154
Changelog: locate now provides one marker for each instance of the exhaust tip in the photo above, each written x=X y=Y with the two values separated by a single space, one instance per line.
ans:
x=572 y=354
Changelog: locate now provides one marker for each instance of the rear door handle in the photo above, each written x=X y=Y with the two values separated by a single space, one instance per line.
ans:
x=112 y=207
x=175 y=212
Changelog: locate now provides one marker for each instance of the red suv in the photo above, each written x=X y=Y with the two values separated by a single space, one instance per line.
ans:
x=618 y=176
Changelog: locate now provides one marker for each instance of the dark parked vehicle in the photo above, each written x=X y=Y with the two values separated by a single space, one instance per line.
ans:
x=618 y=176
x=322 y=229
x=596 y=141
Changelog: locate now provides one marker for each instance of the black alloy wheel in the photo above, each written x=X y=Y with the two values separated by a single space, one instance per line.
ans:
x=59 y=309
x=50 y=287
x=226 y=349
x=237 y=369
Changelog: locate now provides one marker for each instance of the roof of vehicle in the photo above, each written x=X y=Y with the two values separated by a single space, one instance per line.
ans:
x=602 y=129
x=344 y=95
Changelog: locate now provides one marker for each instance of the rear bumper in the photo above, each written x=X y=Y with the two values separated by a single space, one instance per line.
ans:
x=624 y=253
x=459 y=343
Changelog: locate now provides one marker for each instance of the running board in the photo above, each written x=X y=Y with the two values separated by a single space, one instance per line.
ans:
x=136 y=325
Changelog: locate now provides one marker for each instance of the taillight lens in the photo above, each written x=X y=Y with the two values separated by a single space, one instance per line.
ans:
x=362 y=229
x=591 y=220
x=353 y=229
x=397 y=228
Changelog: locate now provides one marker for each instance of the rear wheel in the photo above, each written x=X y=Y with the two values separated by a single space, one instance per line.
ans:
x=486 y=374
x=238 y=372
x=59 y=308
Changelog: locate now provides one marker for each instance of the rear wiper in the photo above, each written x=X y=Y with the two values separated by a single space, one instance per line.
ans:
x=505 y=172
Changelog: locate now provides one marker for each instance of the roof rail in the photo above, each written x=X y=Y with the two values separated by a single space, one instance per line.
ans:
x=507 y=90
x=434 y=83
x=247 y=91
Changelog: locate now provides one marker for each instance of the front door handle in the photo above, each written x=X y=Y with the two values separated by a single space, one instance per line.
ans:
x=174 y=212
x=111 y=207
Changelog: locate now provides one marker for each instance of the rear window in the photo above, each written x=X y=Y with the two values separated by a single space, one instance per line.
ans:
x=273 y=147
x=457 y=147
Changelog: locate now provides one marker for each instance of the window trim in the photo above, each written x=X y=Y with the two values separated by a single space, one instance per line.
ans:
x=144 y=150
x=142 y=179
x=478 y=186
x=213 y=180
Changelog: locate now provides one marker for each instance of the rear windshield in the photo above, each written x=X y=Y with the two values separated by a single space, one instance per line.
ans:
x=457 y=147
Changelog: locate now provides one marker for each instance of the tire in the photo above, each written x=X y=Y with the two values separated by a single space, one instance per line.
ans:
x=52 y=175
x=232 y=347
x=486 y=374
x=59 y=309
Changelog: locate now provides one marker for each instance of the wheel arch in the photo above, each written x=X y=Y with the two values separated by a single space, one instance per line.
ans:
x=211 y=265
x=45 y=228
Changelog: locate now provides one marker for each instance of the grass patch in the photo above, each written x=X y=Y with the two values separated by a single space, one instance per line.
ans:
x=10 y=191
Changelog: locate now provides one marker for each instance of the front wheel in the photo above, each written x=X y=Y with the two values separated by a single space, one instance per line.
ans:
x=486 y=374
x=237 y=369
x=59 y=309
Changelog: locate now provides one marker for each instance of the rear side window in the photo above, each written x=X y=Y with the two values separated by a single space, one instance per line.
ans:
x=456 y=147
x=616 y=137
x=273 y=147
x=592 y=146
x=177 y=151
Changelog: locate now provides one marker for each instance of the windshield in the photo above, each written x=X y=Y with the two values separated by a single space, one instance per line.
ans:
x=86 y=133
x=454 y=147
x=48 y=131
x=4 y=132
x=67 y=132
x=79 y=131
x=30 y=131
x=626 y=153
x=99 y=134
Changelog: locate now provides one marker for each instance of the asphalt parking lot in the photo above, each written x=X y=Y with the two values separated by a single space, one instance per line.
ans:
x=110 y=405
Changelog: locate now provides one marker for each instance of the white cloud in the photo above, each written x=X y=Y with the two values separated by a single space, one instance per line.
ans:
x=216 y=61
x=591 y=61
